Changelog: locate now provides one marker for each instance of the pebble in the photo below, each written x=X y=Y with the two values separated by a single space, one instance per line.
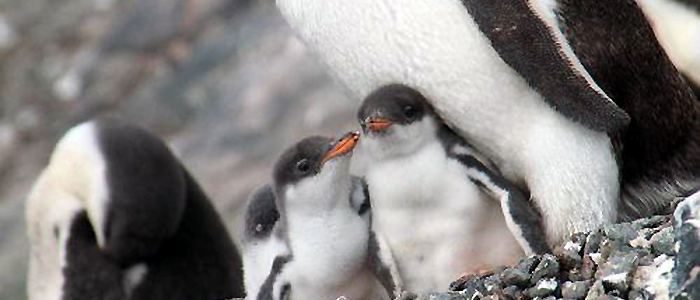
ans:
x=568 y=259
x=543 y=288
x=513 y=276
x=548 y=267
x=593 y=242
x=575 y=290
x=662 y=242
x=617 y=272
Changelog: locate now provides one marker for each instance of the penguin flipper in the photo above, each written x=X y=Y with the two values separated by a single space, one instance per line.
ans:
x=526 y=36
x=382 y=263
x=523 y=220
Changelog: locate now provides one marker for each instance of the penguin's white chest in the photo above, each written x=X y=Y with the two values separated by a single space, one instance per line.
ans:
x=432 y=45
x=330 y=253
x=432 y=217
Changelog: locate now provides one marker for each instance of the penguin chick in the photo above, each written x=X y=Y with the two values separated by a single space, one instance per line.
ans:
x=325 y=223
x=258 y=244
x=424 y=177
x=116 y=216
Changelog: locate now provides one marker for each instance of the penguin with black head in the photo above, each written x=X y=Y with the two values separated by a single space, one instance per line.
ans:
x=322 y=245
x=115 y=215
x=501 y=74
x=555 y=92
x=464 y=216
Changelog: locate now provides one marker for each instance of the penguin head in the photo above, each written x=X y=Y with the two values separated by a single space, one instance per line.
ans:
x=396 y=120
x=313 y=168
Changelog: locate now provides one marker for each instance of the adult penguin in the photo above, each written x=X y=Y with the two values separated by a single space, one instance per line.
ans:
x=676 y=23
x=115 y=215
x=660 y=155
x=506 y=75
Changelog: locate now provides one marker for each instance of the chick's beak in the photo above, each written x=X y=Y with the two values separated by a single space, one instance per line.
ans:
x=344 y=146
x=377 y=124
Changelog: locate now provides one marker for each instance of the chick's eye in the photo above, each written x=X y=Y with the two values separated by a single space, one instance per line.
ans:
x=409 y=112
x=303 y=166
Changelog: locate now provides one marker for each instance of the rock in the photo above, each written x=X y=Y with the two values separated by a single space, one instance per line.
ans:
x=589 y=265
x=543 y=288
x=623 y=232
x=662 y=242
x=640 y=242
x=512 y=292
x=575 y=275
x=593 y=242
x=548 y=267
x=576 y=242
x=575 y=290
x=596 y=290
x=640 y=295
x=686 y=272
x=568 y=259
x=528 y=263
x=617 y=272
x=473 y=286
x=441 y=296
x=513 y=276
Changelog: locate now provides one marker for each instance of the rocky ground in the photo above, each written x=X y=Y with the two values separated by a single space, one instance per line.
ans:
x=652 y=258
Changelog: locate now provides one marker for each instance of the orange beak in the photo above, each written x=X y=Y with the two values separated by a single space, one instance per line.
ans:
x=342 y=147
x=378 y=124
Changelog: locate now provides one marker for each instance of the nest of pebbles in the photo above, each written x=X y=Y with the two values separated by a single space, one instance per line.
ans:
x=651 y=258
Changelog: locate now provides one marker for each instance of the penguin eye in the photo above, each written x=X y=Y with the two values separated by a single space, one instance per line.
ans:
x=303 y=166
x=409 y=112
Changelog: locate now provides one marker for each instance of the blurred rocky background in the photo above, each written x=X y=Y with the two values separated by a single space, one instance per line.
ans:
x=223 y=81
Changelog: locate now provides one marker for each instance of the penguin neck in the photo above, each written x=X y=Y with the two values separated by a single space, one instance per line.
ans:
x=318 y=198
x=403 y=141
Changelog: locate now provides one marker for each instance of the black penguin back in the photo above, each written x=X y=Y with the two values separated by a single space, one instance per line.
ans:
x=660 y=155
x=157 y=218
x=199 y=261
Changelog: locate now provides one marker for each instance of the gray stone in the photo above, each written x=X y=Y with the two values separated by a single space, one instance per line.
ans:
x=662 y=242
x=512 y=292
x=548 y=267
x=593 y=242
x=686 y=284
x=513 y=276
x=617 y=271
x=444 y=296
x=589 y=266
x=528 y=263
x=624 y=232
x=651 y=222
x=575 y=290
x=575 y=275
x=568 y=259
x=686 y=272
x=596 y=290
x=640 y=295
x=576 y=242
x=544 y=287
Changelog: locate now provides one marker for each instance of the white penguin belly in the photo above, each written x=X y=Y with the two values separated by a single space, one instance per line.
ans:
x=433 y=219
x=329 y=257
x=435 y=46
